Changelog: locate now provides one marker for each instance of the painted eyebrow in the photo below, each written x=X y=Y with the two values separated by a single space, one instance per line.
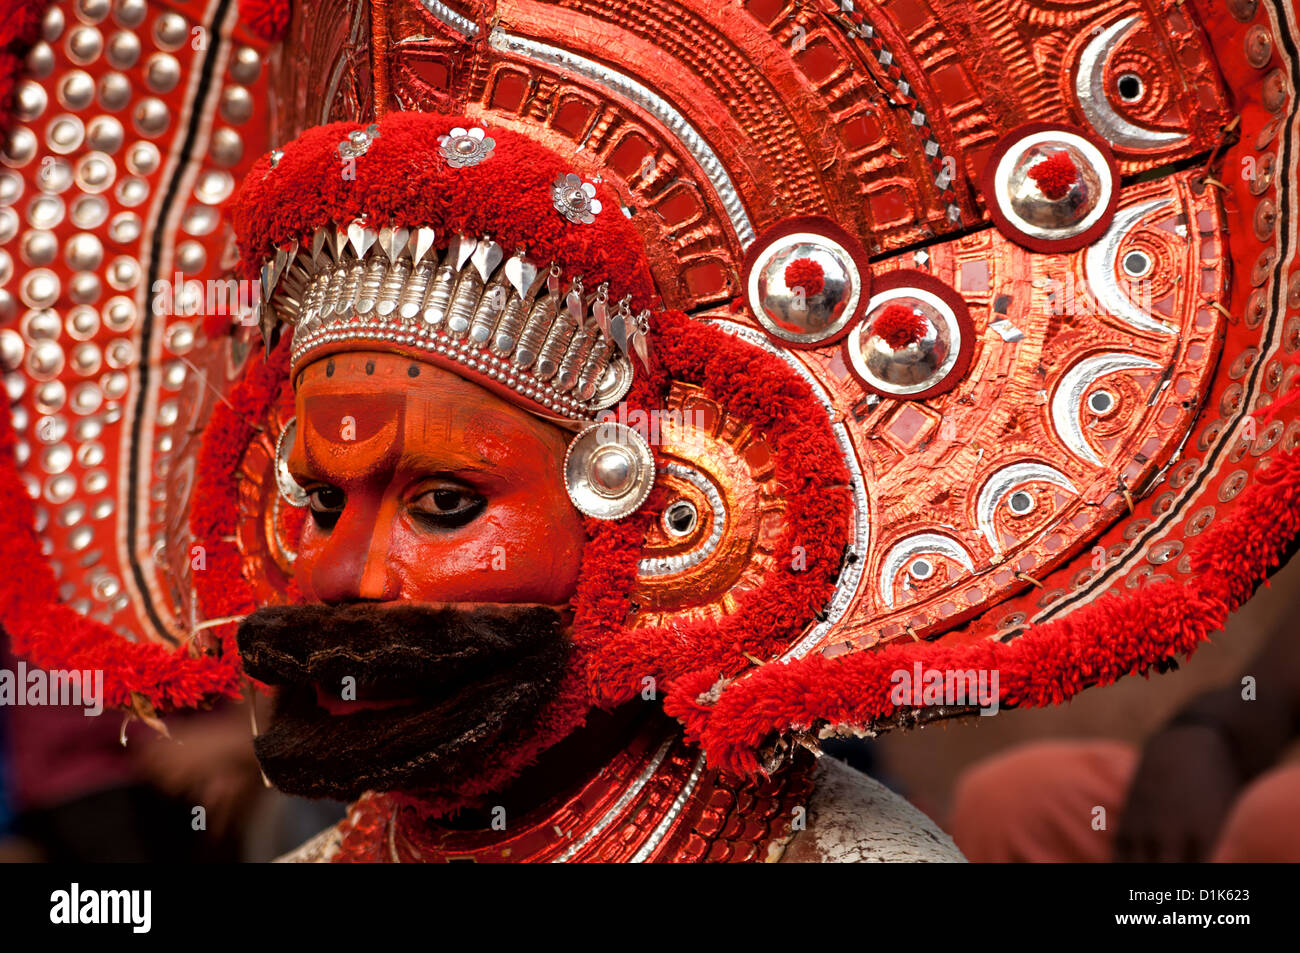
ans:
x=447 y=465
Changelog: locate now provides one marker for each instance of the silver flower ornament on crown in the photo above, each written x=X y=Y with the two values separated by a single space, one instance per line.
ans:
x=575 y=199
x=465 y=147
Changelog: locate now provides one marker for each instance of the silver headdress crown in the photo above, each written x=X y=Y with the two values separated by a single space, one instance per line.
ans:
x=506 y=319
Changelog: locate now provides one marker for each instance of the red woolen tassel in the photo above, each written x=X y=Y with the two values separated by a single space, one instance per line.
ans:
x=806 y=274
x=1115 y=636
x=1055 y=175
x=144 y=676
x=900 y=326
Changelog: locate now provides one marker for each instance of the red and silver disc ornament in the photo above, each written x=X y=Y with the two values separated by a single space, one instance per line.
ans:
x=913 y=334
x=916 y=340
x=1051 y=188
x=806 y=281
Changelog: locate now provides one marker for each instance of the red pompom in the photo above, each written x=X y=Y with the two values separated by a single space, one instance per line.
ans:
x=900 y=326
x=404 y=179
x=269 y=19
x=806 y=274
x=1055 y=175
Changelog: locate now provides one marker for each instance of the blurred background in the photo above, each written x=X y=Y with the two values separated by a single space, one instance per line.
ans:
x=71 y=792
x=926 y=763
x=1083 y=754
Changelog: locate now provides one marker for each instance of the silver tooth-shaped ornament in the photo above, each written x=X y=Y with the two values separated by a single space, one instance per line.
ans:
x=528 y=281
x=420 y=244
x=392 y=242
x=463 y=303
x=297 y=275
x=508 y=327
x=557 y=342
x=310 y=316
x=319 y=245
x=491 y=306
x=592 y=371
x=522 y=274
x=258 y=321
x=600 y=307
x=267 y=280
x=373 y=278
x=439 y=295
x=336 y=243
x=269 y=325
x=361 y=238
x=575 y=357
x=640 y=338
x=574 y=304
x=282 y=258
x=333 y=292
x=487 y=256
x=618 y=324
x=352 y=288
x=412 y=302
x=459 y=251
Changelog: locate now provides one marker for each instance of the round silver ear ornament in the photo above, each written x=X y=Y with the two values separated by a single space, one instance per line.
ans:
x=608 y=471
x=290 y=491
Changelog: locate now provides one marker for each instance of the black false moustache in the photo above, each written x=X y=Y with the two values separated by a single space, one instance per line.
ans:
x=475 y=679
x=397 y=647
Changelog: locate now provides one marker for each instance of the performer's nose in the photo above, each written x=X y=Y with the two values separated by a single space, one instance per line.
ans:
x=353 y=564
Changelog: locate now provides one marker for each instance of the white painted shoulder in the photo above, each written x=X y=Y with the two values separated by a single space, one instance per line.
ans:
x=319 y=850
x=854 y=819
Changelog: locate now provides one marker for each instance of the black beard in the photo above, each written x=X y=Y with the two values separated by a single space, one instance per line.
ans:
x=478 y=676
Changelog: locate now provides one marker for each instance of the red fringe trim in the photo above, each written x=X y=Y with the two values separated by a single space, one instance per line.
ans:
x=763 y=391
x=1095 y=645
x=221 y=588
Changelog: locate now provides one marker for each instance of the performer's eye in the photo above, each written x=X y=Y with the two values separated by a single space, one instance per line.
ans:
x=447 y=506
x=326 y=504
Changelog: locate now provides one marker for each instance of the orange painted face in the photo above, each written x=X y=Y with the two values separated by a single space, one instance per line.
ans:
x=425 y=487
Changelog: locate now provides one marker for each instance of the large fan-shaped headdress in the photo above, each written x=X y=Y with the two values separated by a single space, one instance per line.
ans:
x=972 y=360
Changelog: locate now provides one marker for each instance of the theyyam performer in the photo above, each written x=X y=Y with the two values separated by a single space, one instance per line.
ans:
x=575 y=412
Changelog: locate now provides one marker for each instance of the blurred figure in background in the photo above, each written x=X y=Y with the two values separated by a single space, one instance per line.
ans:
x=13 y=849
x=79 y=795
x=71 y=792
x=1211 y=785
x=209 y=761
